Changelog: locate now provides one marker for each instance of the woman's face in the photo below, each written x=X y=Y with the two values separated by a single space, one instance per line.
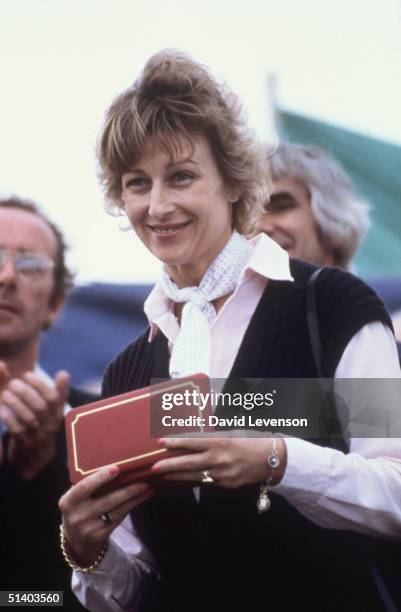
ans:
x=179 y=207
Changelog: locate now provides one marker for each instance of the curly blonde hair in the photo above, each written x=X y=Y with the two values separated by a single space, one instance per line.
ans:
x=172 y=98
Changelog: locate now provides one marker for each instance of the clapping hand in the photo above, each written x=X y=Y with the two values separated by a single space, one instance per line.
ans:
x=32 y=411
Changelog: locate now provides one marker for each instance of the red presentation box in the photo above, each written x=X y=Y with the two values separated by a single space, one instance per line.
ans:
x=118 y=431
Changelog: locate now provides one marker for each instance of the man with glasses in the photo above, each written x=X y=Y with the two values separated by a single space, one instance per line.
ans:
x=34 y=281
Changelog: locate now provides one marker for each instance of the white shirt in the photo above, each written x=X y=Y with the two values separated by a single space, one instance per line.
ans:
x=359 y=491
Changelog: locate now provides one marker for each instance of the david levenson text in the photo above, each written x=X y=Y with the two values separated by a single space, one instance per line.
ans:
x=236 y=421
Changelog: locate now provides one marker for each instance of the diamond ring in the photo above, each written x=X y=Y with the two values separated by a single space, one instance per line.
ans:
x=107 y=518
x=206 y=476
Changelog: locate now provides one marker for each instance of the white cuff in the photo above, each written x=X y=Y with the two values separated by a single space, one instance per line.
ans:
x=307 y=475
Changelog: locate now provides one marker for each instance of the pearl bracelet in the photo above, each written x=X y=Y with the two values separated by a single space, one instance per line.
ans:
x=84 y=570
x=273 y=462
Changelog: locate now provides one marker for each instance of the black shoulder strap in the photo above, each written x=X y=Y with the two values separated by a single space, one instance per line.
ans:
x=312 y=321
x=332 y=425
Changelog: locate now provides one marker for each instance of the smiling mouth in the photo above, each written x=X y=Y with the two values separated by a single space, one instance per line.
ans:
x=165 y=230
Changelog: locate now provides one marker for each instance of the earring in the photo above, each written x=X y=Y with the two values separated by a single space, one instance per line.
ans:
x=233 y=198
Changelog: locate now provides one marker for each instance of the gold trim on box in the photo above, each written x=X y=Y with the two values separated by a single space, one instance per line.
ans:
x=106 y=407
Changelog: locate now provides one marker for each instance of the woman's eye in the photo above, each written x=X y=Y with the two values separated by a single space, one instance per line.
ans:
x=137 y=182
x=181 y=177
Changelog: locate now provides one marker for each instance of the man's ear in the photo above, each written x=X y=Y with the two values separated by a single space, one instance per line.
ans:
x=54 y=310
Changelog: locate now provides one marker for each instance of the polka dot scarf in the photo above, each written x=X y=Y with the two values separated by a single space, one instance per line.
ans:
x=191 y=351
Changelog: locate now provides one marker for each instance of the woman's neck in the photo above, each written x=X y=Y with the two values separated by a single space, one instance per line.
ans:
x=191 y=274
x=218 y=304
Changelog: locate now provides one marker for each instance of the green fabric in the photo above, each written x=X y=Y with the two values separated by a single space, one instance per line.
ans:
x=375 y=169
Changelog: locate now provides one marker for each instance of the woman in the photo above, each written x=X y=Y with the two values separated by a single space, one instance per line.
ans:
x=175 y=154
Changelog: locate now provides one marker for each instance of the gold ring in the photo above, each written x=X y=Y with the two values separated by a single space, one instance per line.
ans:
x=206 y=476
x=107 y=518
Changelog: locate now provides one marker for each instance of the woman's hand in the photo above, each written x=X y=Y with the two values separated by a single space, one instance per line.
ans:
x=231 y=462
x=84 y=528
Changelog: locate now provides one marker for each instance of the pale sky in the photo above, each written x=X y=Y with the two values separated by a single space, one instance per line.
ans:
x=63 y=61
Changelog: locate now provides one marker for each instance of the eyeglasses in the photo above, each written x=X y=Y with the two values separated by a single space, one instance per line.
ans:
x=30 y=267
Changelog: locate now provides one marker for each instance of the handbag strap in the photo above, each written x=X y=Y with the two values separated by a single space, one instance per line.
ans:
x=313 y=322
x=336 y=441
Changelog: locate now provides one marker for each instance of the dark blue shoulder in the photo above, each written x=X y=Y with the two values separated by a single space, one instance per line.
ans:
x=119 y=376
